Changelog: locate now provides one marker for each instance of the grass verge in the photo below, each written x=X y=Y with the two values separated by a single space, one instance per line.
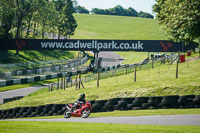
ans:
x=63 y=127
x=19 y=86
x=135 y=113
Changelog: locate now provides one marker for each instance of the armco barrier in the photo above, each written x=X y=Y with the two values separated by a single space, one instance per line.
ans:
x=156 y=102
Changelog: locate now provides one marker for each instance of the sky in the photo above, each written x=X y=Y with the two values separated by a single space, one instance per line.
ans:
x=139 y=5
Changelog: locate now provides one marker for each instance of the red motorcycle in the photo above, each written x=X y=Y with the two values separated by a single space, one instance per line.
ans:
x=83 y=110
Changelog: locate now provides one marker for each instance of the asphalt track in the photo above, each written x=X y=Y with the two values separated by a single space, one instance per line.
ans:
x=192 y=120
x=19 y=92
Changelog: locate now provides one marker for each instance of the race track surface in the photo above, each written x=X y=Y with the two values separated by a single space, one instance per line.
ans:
x=134 y=120
x=19 y=92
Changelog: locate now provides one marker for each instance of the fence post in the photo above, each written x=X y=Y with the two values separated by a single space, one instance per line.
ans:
x=135 y=74
x=98 y=76
x=64 y=81
x=71 y=81
x=58 y=84
x=177 y=64
x=126 y=69
x=49 y=89
x=152 y=62
x=79 y=80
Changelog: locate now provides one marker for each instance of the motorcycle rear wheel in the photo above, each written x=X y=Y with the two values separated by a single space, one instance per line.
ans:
x=85 y=113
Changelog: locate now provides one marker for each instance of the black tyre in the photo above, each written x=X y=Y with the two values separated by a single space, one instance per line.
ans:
x=85 y=113
x=113 y=100
x=172 y=97
x=49 y=105
x=156 y=98
x=127 y=100
x=58 y=106
x=142 y=99
x=67 y=114
x=101 y=102
x=130 y=106
x=145 y=105
x=60 y=112
x=137 y=103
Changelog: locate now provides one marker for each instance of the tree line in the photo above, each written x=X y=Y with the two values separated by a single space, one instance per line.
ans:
x=117 y=10
x=34 y=18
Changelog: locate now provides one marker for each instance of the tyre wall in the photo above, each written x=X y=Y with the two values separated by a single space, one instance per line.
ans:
x=156 y=102
x=12 y=99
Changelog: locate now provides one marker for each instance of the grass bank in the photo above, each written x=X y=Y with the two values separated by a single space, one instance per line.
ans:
x=39 y=55
x=159 y=81
x=91 y=26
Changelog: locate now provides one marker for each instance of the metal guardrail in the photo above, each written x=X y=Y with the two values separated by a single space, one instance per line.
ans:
x=66 y=66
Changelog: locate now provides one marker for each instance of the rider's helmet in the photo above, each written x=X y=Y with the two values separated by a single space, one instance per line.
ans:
x=82 y=95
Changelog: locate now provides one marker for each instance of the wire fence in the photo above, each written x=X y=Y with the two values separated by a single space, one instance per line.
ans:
x=107 y=72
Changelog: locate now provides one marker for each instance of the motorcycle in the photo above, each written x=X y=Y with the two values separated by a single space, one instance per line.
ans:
x=83 y=110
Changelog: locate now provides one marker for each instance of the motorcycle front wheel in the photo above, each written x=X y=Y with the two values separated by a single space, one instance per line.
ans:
x=67 y=114
x=85 y=113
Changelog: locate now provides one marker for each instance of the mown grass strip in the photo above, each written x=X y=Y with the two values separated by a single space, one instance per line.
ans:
x=63 y=127
x=134 y=113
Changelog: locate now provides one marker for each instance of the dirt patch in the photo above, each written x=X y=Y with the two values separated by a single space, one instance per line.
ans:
x=193 y=59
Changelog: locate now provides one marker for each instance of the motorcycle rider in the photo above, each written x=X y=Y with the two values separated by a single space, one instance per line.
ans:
x=81 y=99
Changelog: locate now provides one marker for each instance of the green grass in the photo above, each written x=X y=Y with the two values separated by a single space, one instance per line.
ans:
x=133 y=113
x=63 y=127
x=35 y=56
x=132 y=57
x=159 y=81
x=19 y=86
x=92 y=26
x=39 y=55
x=147 y=112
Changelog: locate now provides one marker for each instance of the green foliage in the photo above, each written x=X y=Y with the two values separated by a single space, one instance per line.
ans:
x=120 y=11
x=66 y=24
x=6 y=18
x=70 y=20
x=180 y=19
x=81 y=9
x=36 y=17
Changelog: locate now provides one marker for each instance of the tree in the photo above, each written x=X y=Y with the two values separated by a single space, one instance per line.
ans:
x=118 y=10
x=47 y=16
x=81 y=9
x=69 y=20
x=6 y=18
x=180 y=19
x=132 y=12
x=145 y=15
x=23 y=8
